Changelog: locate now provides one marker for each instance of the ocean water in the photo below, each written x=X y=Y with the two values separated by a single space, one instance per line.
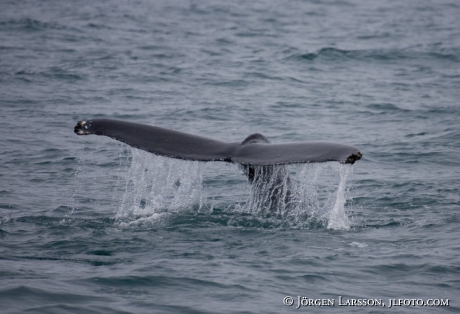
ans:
x=89 y=225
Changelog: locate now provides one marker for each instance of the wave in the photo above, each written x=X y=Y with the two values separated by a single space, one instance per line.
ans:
x=329 y=54
x=28 y=24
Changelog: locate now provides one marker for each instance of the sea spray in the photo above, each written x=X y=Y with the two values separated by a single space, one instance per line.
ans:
x=317 y=195
x=155 y=184
x=338 y=219
x=147 y=187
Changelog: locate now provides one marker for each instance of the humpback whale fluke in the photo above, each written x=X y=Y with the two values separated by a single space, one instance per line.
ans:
x=255 y=150
x=262 y=161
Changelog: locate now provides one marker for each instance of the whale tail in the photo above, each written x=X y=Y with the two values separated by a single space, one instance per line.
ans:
x=255 y=150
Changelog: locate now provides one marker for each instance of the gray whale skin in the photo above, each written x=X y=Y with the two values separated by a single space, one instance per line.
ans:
x=255 y=150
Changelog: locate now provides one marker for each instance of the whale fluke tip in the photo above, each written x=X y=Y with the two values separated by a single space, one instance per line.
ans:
x=81 y=128
x=353 y=158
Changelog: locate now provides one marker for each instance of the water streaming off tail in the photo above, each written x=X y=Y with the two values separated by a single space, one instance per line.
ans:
x=312 y=193
x=155 y=184
x=322 y=193
x=297 y=194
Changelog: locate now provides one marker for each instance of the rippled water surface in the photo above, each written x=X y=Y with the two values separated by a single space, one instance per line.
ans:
x=89 y=225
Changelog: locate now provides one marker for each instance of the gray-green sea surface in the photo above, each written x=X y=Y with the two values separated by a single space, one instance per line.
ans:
x=91 y=225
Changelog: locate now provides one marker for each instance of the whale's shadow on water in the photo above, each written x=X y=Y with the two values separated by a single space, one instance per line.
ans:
x=310 y=192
